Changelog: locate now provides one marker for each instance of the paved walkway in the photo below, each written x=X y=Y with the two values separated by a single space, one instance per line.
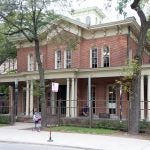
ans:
x=19 y=133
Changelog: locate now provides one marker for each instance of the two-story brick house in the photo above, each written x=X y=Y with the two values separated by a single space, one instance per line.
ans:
x=96 y=63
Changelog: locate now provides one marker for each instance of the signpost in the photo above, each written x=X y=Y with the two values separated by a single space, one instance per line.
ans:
x=55 y=87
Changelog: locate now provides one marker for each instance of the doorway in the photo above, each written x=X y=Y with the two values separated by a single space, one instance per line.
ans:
x=61 y=99
x=111 y=100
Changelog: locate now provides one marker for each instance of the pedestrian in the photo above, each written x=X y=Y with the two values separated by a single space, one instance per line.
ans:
x=85 y=111
x=37 y=120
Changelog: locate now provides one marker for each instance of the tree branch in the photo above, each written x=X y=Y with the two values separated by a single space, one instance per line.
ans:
x=136 y=7
x=135 y=4
x=18 y=28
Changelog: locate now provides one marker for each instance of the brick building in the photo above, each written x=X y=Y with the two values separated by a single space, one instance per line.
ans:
x=96 y=63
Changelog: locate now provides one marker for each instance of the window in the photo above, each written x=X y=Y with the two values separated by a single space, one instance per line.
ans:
x=30 y=62
x=88 y=20
x=112 y=94
x=106 y=56
x=58 y=59
x=93 y=99
x=111 y=99
x=94 y=58
x=67 y=59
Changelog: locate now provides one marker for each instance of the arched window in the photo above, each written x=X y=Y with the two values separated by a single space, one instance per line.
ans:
x=106 y=56
x=88 y=20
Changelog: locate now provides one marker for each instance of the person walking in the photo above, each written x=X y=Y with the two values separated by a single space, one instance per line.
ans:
x=37 y=120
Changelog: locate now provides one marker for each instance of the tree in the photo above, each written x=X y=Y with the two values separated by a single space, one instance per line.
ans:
x=7 y=49
x=134 y=112
x=27 y=18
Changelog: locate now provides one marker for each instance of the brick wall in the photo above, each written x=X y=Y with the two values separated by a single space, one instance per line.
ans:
x=100 y=85
x=81 y=55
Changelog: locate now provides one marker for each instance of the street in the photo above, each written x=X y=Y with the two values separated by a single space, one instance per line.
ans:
x=18 y=146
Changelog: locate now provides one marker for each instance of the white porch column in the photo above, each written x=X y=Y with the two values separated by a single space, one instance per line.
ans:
x=75 y=97
x=148 y=98
x=31 y=98
x=72 y=98
x=142 y=97
x=27 y=98
x=68 y=99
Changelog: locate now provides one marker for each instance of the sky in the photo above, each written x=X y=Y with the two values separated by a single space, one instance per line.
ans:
x=100 y=4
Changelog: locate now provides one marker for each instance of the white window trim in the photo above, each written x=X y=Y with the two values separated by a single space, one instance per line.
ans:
x=30 y=64
x=65 y=58
x=55 y=59
x=91 y=57
x=107 y=98
x=102 y=52
x=130 y=54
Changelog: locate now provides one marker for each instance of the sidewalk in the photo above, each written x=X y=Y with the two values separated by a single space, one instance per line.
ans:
x=19 y=133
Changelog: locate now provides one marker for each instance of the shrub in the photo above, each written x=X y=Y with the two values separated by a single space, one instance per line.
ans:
x=106 y=124
x=112 y=124
x=4 y=119
x=144 y=126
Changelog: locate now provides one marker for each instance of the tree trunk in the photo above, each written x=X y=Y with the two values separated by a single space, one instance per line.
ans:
x=134 y=104
x=42 y=84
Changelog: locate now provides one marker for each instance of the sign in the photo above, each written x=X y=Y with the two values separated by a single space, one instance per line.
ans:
x=55 y=87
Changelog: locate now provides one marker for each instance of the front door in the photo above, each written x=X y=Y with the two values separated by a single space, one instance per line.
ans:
x=111 y=103
x=61 y=98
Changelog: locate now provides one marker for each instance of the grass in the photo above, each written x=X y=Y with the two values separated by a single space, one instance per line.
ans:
x=100 y=131
x=2 y=125
x=82 y=130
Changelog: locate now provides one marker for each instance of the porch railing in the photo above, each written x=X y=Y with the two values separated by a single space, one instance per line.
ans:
x=100 y=109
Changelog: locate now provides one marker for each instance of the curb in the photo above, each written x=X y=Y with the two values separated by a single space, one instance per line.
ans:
x=55 y=145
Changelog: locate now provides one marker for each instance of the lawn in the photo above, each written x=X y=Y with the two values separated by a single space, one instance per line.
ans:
x=1 y=125
x=83 y=130
x=100 y=131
